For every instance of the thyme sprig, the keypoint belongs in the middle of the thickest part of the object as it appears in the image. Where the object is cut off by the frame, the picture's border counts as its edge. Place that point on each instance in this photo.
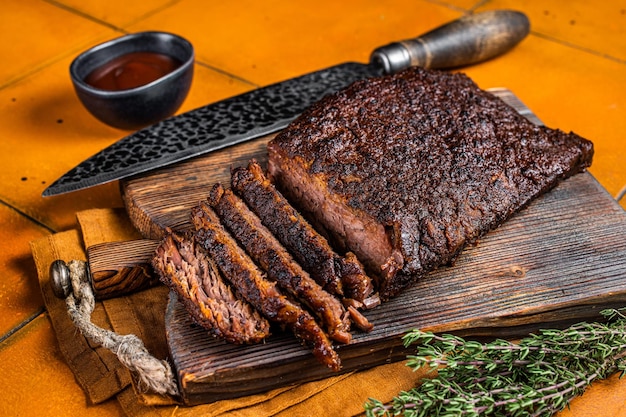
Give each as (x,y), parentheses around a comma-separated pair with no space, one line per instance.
(536,376)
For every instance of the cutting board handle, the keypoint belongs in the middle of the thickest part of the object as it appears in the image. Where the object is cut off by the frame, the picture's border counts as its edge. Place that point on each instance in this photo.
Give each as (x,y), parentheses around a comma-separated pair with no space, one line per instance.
(472,38)
(114,269)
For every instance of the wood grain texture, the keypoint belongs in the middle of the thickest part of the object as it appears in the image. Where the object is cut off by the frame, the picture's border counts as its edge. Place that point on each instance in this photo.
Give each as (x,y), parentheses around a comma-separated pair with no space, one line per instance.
(559,261)
(120,268)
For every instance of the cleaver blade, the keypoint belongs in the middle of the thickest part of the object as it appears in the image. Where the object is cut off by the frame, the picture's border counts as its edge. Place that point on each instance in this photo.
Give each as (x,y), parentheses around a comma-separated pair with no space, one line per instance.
(470,39)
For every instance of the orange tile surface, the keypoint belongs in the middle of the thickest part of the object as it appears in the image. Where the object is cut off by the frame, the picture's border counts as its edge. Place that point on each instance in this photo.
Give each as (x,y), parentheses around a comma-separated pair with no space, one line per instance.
(36,34)
(35,380)
(571,71)
(20,297)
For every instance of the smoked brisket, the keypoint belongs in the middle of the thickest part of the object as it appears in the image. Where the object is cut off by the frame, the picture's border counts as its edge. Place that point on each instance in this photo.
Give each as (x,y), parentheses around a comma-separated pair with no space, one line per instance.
(406,170)
(254,287)
(343,276)
(274,259)
(187,269)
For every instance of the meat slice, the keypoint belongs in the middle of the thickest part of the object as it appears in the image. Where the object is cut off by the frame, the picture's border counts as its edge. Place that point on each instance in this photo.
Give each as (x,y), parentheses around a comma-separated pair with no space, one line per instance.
(187,269)
(405,170)
(356,284)
(274,259)
(307,246)
(254,287)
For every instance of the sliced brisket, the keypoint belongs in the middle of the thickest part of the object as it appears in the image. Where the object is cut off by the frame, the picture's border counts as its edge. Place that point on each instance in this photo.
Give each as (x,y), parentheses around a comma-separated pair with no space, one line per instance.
(264,295)
(274,259)
(307,246)
(356,284)
(405,170)
(187,269)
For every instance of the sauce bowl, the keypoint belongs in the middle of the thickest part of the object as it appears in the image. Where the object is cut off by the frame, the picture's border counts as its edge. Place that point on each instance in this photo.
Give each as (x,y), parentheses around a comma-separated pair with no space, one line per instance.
(153,93)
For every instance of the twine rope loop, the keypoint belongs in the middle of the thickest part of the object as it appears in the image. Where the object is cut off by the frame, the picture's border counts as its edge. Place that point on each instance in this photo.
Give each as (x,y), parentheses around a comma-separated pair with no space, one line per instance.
(153,374)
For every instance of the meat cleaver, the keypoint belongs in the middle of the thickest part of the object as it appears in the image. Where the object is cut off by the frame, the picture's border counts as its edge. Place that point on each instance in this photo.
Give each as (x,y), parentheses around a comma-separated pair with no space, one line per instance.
(467,40)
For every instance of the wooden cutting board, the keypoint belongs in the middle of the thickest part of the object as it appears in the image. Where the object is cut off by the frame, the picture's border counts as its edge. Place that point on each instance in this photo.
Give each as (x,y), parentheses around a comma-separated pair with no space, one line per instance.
(559,261)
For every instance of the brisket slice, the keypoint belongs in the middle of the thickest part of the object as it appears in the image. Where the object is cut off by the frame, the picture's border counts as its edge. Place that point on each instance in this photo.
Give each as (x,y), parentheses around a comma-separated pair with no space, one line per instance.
(274,259)
(254,287)
(356,284)
(336,274)
(187,269)
(405,170)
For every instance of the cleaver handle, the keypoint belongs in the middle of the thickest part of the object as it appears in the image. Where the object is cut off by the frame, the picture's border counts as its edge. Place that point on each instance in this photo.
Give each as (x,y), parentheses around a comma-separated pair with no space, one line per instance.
(468,40)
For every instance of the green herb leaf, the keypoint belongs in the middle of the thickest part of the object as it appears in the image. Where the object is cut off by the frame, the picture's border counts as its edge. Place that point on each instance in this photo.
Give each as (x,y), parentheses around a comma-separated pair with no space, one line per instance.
(536,377)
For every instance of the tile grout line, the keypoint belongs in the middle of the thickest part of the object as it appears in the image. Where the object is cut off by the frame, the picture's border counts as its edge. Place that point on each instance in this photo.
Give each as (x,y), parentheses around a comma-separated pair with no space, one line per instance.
(85,15)
(478,4)
(450,6)
(42,309)
(465,10)
(153,12)
(620,194)
(578,47)
(29,217)
(34,70)
(228,74)
(21,325)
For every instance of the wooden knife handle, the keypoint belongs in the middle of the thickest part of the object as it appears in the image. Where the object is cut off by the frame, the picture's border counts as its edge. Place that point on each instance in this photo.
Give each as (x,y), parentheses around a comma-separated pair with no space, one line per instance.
(467,40)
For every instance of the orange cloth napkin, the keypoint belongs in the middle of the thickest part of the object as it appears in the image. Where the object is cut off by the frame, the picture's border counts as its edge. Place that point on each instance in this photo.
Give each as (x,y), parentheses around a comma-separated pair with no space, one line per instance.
(102,376)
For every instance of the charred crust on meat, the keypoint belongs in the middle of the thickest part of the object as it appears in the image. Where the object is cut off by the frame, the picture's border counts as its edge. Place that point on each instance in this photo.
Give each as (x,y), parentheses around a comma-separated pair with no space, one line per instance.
(307,246)
(237,267)
(407,169)
(277,263)
(396,176)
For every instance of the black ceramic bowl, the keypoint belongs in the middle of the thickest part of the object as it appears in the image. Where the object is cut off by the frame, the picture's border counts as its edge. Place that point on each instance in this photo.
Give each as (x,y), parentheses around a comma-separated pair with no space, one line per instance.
(136,107)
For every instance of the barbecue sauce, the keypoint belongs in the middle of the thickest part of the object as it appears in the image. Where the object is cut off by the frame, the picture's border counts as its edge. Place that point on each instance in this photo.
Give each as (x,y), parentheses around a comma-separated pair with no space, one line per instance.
(131,70)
